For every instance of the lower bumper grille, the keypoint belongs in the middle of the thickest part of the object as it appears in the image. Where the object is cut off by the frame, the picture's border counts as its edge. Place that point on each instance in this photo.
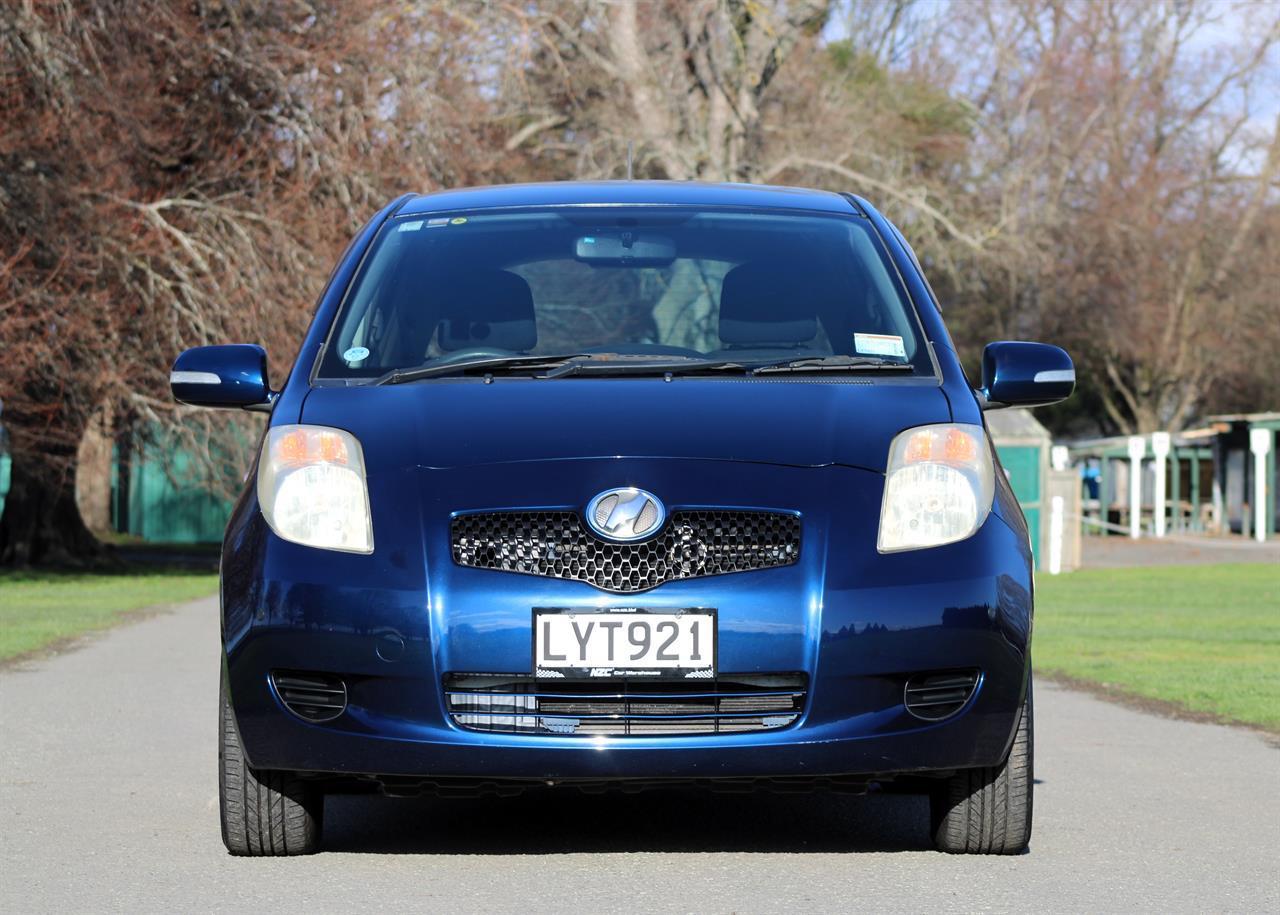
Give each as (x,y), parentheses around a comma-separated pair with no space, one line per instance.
(313,696)
(731,704)
(937,696)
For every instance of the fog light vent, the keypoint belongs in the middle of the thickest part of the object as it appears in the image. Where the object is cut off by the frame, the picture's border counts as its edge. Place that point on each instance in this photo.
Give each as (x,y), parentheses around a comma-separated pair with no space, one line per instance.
(313,696)
(939,695)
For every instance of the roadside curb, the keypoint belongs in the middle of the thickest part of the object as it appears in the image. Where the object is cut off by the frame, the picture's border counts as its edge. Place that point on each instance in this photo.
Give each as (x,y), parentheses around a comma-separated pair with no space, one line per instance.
(1160,708)
(72,643)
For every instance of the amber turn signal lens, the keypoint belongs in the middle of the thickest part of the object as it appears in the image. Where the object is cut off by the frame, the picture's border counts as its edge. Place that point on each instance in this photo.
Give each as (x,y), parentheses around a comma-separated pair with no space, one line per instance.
(300,447)
(941,444)
(959,447)
(919,447)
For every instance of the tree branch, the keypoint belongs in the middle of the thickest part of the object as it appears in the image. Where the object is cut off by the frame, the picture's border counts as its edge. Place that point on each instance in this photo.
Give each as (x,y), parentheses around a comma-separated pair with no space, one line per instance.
(915,201)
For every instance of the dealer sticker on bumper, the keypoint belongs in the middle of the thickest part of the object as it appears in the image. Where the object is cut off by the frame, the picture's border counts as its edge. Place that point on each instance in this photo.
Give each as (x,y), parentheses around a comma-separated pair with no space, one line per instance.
(624,642)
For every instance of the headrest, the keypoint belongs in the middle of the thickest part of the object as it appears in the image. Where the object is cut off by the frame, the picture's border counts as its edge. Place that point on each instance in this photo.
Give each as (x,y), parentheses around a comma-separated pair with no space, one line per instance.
(765,305)
(490,308)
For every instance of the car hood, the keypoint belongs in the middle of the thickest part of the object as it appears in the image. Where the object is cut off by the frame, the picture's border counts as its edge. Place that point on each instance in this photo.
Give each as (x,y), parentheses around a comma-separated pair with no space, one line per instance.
(465,422)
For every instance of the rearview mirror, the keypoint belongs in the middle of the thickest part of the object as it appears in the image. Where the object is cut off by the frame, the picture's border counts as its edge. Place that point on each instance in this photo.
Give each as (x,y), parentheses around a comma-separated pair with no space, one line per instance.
(627,248)
(1016,374)
(234,375)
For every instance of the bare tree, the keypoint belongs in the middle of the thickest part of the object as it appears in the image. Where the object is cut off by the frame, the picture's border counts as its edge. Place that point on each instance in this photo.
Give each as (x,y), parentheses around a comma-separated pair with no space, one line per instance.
(190,194)
(684,80)
(1121,146)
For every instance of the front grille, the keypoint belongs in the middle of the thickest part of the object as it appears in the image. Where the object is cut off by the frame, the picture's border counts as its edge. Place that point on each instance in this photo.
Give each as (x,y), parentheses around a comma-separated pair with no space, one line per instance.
(694,544)
(519,704)
(313,696)
(937,696)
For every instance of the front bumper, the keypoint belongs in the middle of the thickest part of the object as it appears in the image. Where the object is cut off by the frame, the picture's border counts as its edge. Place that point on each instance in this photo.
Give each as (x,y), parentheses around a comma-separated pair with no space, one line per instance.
(978,736)
(864,628)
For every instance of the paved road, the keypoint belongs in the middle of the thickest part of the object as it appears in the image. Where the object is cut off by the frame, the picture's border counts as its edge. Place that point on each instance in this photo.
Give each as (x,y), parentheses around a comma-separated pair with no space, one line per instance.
(108,802)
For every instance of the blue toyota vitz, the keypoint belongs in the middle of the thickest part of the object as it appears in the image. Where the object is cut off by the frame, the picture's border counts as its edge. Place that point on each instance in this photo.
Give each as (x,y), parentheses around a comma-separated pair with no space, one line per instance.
(626,484)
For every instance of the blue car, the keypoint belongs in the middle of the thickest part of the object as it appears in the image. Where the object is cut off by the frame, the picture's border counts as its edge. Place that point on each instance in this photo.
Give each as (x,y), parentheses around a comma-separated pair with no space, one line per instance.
(625,485)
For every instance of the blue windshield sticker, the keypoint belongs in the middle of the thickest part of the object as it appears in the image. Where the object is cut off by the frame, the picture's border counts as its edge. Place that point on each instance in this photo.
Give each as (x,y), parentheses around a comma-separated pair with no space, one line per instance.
(355,354)
(410,226)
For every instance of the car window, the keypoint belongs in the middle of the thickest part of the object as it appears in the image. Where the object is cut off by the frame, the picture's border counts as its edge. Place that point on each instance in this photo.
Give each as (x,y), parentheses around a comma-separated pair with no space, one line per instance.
(673,281)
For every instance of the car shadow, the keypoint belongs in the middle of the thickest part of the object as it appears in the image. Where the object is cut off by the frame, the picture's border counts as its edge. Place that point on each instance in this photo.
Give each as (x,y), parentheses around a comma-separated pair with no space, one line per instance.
(566,821)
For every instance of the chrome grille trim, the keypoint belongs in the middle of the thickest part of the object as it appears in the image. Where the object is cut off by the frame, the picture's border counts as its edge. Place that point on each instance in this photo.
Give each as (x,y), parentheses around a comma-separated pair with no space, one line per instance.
(520,704)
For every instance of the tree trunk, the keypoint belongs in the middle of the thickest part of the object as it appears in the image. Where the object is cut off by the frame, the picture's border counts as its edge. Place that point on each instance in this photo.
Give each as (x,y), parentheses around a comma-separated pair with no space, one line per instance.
(41,524)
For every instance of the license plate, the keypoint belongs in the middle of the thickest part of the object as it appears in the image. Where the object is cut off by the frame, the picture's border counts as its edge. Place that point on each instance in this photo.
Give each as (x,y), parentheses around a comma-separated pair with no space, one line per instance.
(614,643)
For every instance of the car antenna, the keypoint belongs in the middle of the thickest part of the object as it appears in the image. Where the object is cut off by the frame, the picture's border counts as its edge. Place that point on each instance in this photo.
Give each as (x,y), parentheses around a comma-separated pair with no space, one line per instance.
(631,147)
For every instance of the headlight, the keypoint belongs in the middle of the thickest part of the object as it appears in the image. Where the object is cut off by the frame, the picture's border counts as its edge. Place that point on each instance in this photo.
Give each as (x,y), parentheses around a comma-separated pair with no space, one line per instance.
(938,487)
(311,487)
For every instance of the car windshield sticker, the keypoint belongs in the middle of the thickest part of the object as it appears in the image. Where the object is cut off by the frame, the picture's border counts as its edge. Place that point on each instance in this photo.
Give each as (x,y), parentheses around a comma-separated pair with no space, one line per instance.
(410,226)
(879,345)
(355,354)
(437,223)
(458,220)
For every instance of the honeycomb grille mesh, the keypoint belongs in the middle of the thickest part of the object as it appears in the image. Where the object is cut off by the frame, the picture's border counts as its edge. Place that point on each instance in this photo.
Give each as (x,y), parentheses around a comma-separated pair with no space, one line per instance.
(694,544)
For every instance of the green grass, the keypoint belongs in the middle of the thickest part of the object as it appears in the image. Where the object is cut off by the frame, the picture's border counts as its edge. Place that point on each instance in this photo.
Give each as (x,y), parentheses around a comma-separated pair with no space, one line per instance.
(38,609)
(1204,637)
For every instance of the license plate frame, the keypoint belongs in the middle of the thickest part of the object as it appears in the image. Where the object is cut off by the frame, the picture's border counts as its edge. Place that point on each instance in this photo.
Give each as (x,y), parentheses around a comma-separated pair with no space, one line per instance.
(627,669)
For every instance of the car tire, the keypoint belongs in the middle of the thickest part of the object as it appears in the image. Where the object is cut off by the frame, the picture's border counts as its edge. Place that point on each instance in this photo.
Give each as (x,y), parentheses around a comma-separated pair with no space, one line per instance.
(987,811)
(264,813)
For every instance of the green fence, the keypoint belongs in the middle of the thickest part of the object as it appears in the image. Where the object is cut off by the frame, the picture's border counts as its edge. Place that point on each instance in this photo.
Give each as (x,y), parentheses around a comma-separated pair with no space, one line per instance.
(151,506)
(154,505)
(1022,463)
(5,471)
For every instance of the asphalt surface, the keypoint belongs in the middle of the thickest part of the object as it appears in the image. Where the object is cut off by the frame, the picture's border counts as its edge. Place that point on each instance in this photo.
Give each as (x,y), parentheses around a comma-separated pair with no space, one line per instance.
(108,801)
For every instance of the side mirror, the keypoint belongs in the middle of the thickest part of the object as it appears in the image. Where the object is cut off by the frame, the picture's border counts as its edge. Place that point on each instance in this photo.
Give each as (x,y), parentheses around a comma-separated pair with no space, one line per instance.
(234,375)
(1016,374)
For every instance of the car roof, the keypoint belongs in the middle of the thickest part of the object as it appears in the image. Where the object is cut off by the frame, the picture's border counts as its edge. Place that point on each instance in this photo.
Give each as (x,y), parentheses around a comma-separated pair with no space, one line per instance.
(634,193)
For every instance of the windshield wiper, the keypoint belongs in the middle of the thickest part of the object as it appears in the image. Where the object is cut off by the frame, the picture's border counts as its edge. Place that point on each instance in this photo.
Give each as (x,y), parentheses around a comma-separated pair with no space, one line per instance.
(474,363)
(638,364)
(838,363)
(560,366)
(618,364)
(564,365)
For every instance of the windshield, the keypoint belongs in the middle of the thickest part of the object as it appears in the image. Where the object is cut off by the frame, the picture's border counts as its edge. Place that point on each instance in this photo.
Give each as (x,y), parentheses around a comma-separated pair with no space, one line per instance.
(656,286)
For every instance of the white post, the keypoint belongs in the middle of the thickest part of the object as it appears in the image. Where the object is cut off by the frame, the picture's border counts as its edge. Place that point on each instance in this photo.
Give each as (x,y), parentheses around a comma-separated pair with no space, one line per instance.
(1137,449)
(1055,535)
(1160,448)
(1260,445)
(1059,456)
